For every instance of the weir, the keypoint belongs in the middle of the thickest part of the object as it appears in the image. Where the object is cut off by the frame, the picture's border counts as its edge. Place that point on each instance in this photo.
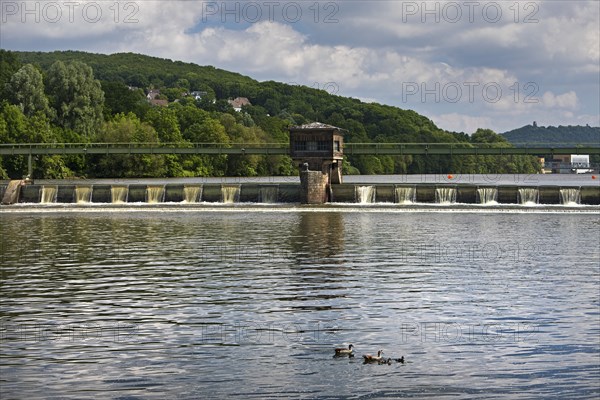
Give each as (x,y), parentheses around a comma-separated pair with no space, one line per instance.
(155,194)
(192,194)
(570,196)
(230,193)
(83,194)
(119,194)
(406,194)
(15,192)
(48,194)
(365,194)
(529,196)
(487,195)
(268,194)
(445,195)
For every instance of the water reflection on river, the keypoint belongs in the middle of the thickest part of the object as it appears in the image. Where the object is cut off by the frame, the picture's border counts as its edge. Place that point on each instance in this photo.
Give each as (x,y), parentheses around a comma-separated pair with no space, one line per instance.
(213,304)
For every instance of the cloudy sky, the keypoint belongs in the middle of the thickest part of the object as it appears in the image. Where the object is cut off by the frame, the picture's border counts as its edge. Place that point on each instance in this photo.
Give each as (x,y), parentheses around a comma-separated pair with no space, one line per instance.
(463,64)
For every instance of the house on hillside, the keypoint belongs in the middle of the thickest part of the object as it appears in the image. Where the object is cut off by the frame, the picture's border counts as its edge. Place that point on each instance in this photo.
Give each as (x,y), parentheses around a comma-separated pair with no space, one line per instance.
(198,95)
(238,102)
(153,94)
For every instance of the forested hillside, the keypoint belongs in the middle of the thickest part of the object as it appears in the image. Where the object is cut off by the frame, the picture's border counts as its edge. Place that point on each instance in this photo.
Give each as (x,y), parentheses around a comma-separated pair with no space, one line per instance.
(553,135)
(82,97)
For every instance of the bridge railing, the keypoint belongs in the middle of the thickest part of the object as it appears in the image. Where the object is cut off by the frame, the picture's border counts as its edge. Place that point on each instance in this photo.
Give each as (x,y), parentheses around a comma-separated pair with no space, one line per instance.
(283,148)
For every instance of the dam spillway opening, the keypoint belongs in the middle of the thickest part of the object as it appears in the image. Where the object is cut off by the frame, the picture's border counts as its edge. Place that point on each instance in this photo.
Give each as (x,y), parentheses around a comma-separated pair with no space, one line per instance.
(487,195)
(192,194)
(268,194)
(49,194)
(445,195)
(230,194)
(365,194)
(83,194)
(155,194)
(529,196)
(570,196)
(405,194)
(119,194)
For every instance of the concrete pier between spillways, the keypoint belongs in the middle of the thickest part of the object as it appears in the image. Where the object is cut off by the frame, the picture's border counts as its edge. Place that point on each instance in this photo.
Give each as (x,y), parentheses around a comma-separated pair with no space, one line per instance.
(292,193)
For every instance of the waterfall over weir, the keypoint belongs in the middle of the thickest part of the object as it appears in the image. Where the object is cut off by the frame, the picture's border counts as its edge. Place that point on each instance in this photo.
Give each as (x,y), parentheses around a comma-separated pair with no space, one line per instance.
(83,194)
(155,194)
(406,195)
(365,194)
(529,196)
(192,194)
(119,194)
(445,195)
(268,194)
(230,193)
(570,196)
(487,195)
(48,194)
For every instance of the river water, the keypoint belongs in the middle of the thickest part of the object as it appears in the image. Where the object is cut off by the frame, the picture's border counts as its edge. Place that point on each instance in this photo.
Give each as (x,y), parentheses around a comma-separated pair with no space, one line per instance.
(249,302)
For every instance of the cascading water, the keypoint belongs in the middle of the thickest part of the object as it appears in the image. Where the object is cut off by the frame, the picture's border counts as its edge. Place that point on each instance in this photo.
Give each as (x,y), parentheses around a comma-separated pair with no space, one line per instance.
(445,195)
(192,194)
(230,193)
(83,194)
(529,196)
(155,194)
(487,195)
(119,194)
(406,195)
(570,196)
(365,194)
(268,194)
(48,194)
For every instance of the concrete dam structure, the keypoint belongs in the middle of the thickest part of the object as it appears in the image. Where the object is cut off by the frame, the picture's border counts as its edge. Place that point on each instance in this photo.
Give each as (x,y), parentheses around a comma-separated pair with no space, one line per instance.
(291,193)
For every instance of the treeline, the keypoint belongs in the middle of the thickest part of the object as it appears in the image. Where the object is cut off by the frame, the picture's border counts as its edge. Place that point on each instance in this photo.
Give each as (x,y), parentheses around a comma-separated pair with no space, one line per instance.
(85,98)
(553,135)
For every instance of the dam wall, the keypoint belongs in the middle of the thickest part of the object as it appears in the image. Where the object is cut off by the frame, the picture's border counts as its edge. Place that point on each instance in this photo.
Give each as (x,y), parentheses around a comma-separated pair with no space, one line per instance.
(292,193)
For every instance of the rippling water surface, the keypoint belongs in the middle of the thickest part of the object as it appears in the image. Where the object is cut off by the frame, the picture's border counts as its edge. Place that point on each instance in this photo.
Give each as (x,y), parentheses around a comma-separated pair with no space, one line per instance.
(214,304)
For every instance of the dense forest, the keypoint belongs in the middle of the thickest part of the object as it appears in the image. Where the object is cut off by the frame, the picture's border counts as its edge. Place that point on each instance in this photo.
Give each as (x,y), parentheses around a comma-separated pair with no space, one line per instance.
(553,135)
(77,97)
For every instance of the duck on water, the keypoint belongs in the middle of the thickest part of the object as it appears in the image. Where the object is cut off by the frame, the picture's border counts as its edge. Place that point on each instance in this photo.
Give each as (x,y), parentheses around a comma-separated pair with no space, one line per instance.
(345,352)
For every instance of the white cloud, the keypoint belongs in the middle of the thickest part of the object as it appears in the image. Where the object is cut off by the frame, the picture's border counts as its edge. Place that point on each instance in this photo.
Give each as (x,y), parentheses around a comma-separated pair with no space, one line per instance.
(564,101)
(461,123)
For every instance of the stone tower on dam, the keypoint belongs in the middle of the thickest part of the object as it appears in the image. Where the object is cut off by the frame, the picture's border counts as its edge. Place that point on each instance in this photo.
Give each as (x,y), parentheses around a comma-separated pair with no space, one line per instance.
(317,150)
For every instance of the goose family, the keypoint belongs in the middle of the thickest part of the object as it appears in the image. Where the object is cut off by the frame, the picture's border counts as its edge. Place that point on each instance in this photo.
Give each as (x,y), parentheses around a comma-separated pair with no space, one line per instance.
(368,358)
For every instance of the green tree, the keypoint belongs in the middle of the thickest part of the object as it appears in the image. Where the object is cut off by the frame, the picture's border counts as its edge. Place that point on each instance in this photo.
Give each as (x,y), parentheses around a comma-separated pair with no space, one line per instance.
(26,89)
(76,96)
(209,131)
(126,128)
(9,64)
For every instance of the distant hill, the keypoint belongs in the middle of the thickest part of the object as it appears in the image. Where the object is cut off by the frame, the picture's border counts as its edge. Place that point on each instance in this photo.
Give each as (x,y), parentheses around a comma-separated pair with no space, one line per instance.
(553,135)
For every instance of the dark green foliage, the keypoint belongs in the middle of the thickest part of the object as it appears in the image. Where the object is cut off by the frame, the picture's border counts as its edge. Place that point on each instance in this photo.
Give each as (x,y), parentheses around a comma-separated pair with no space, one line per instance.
(553,135)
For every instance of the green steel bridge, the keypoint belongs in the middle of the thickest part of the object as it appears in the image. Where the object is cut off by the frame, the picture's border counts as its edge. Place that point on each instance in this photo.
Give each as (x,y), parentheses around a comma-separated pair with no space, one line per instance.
(392,149)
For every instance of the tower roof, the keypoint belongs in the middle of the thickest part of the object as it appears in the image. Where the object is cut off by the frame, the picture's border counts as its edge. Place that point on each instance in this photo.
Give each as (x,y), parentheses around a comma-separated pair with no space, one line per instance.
(316,125)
